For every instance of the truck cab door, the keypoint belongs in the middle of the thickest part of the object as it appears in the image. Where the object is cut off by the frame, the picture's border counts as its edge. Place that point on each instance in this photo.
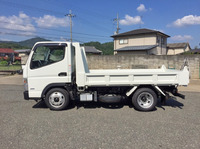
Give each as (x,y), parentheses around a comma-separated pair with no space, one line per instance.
(48,65)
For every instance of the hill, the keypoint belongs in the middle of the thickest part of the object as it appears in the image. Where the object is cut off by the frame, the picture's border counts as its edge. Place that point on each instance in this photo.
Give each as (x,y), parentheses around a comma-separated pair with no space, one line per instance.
(26,44)
(106,48)
(30,42)
(12,45)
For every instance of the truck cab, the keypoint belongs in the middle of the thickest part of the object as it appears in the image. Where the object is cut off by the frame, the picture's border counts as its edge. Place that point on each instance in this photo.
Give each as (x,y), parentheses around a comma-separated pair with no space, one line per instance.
(57,72)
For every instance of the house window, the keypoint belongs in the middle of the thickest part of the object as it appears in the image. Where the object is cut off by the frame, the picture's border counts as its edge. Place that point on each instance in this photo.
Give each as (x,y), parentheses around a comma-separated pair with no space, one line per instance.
(158,39)
(163,40)
(123,41)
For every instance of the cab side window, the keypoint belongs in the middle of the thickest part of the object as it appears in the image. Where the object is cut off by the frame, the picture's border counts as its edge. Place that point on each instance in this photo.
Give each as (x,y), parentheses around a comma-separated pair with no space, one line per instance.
(46,55)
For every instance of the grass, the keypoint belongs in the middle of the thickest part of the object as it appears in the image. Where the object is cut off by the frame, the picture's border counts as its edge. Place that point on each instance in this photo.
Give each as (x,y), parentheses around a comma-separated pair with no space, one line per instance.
(10,67)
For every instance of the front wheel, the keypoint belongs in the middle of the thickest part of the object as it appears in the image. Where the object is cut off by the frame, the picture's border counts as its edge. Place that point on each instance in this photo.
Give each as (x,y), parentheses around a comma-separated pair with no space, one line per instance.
(57,99)
(144,99)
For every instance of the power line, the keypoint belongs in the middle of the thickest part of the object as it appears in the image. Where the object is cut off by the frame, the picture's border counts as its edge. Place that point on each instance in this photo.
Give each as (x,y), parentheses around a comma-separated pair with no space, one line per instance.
(95,25)
(26,35)
(93,35)
(46,10)
(13,4)
(95,15)
(29,33)
(89,11)
(54,37)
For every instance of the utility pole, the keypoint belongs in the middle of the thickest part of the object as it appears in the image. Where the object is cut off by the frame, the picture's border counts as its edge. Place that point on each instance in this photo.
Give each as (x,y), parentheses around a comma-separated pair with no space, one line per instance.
(70,15)
(117,20)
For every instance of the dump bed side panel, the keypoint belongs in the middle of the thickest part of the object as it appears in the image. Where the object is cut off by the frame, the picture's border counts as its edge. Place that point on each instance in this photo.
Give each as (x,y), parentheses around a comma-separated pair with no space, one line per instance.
(130,79)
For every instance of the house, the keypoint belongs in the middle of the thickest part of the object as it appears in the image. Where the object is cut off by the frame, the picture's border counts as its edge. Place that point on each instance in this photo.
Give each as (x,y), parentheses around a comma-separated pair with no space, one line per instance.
(6,53)
(141,41)
(177,48)
(92,50)
(23,52)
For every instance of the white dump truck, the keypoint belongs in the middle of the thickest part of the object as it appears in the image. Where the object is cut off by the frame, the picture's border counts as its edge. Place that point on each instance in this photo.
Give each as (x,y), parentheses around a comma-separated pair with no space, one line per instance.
(57,72)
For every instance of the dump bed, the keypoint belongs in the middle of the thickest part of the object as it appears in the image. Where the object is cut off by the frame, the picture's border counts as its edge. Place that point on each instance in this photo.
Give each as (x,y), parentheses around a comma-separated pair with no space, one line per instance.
(133,77)
(127,77)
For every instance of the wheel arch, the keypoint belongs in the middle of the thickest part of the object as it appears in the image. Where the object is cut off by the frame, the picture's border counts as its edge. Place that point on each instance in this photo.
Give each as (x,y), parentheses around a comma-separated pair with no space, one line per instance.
(145,86)
(51,86)
(150,87)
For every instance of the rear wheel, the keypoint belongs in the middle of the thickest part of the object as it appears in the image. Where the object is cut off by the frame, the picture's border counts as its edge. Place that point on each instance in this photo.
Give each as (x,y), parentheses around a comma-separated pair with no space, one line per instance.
(144,99)
(57,99)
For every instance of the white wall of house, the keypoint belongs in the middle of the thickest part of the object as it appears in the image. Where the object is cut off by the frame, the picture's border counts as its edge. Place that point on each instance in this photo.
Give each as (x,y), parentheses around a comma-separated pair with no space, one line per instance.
(22,54)
(139,40)
(187,49)
(175,51)
(142,40)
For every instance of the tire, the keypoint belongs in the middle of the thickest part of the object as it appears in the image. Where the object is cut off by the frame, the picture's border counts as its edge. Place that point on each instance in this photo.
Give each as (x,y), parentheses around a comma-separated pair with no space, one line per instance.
(144,99)
(57,99)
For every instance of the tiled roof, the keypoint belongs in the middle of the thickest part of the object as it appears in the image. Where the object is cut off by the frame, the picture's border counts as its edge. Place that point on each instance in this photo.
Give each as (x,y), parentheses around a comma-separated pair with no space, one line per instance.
(6,50)
(137,48)
(140,31)
(91,49)
(177,45)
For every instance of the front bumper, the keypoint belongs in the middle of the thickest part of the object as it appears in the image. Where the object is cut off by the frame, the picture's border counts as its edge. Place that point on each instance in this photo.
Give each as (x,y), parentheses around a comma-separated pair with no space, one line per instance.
(26,96)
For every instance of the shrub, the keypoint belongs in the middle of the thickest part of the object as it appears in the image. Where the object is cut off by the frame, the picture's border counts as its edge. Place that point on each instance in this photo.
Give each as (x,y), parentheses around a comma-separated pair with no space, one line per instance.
(8,59)
(17,62)
(3,63)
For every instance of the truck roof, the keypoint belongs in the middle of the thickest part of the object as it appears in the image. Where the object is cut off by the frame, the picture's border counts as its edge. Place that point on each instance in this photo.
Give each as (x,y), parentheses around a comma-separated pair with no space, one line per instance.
(59,42)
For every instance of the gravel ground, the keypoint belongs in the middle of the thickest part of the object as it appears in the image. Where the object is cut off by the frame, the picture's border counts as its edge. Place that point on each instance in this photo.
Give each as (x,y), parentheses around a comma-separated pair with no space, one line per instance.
(27,124)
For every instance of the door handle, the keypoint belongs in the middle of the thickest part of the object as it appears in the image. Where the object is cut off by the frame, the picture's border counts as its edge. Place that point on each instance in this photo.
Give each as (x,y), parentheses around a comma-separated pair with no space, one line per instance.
(62,74)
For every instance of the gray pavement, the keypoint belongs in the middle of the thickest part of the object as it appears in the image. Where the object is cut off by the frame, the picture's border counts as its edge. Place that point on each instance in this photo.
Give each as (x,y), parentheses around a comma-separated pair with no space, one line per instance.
(27,124)
(11,79)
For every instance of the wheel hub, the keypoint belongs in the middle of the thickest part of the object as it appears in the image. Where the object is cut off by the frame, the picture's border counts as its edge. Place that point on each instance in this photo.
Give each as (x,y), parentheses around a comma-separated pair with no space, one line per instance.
(145,100)
(56,99)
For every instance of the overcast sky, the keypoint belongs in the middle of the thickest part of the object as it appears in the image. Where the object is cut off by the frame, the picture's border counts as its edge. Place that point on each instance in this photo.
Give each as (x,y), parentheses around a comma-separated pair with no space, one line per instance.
(24,19)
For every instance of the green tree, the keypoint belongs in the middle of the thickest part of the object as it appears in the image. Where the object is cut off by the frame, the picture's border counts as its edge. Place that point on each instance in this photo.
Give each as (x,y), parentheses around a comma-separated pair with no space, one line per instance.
(196,47)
